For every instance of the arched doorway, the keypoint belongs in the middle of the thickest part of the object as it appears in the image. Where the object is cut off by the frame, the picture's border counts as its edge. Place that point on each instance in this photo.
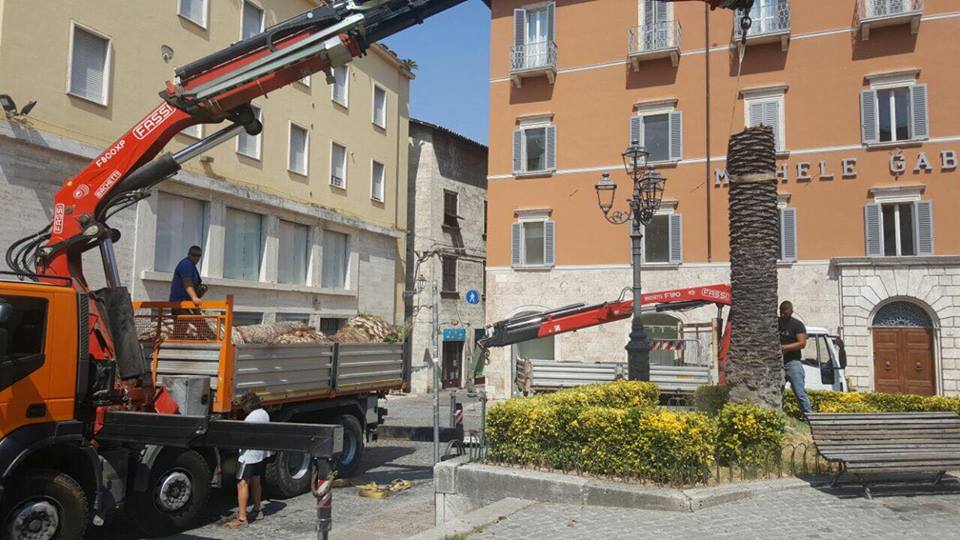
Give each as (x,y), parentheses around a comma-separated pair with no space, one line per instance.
(903,358)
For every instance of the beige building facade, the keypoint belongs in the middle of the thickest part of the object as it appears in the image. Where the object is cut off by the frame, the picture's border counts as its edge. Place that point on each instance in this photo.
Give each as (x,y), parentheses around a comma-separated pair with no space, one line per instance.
(303,222)
(860,95)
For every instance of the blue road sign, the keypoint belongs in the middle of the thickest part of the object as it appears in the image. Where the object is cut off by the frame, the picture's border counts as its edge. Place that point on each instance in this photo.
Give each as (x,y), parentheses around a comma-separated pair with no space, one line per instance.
(473,297)
(454,334)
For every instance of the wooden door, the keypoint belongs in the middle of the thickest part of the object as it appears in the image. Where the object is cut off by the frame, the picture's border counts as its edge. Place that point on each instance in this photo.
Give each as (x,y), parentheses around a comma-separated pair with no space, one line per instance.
(903,360)
(452,364)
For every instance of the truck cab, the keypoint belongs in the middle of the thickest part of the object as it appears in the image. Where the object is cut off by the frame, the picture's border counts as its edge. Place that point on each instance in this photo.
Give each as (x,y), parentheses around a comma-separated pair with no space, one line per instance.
(824,361)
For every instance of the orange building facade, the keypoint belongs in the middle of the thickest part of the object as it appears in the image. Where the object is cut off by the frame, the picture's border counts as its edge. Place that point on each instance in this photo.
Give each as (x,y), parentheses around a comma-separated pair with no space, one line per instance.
(862,98)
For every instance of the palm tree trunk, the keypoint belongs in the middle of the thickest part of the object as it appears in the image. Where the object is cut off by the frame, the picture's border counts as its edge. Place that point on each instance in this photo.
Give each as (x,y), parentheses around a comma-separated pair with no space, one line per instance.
(755,363)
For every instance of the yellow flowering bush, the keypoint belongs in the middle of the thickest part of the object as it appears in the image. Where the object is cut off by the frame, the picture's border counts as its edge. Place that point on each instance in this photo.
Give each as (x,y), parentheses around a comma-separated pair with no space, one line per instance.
(748,434)
(849,402)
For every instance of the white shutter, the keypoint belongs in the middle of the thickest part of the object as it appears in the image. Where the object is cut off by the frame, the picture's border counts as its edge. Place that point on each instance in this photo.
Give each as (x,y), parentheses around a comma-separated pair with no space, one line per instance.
(333,273)
(771,117)
(249,145)
(298,149)
(181,223)
(918,101)
(551,147)
(923,227)
(516,242)
(292,253)
(549,243)
(873,230)
(676,238)
(869,122)
(517,151)
(89,65)
(338,166)
(636,130)
(551,21)
(676,136)
(755,114)
(788,234)
(519,25)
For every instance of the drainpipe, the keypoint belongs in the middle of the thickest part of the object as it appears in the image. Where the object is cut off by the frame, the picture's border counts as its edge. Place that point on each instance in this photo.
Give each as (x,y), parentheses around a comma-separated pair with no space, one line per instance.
(709,187)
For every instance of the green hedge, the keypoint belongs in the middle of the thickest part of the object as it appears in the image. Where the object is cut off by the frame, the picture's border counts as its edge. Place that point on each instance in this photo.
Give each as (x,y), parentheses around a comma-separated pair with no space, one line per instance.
(838,402)
(616,429)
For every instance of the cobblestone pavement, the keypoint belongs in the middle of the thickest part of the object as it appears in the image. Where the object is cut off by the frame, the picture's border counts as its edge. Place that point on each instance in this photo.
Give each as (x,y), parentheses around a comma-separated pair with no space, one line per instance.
(798,513)
(399,516)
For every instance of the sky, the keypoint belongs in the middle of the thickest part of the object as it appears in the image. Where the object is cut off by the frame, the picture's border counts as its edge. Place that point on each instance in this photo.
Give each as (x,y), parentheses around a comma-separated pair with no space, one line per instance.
(452,52)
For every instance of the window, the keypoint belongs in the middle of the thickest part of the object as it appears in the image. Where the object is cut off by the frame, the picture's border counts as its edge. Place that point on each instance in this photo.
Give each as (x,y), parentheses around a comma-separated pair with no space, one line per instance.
(333,274)
(341,86)
(243,245)
(22,332)
(294,253)
(376,181)
(535,149)
(450,207)
(303,318)
(252,21)
(89,65)
(533,243)
(533,37)
(660,133)
(379,106)
(449,284)
(656,24)
(768,16)
(330,326)
(246,318)
(894,114)
(249,145)
(181,223)
(767,111)
(663,239)
(194,11)
(194,132)
(899,228)
(299,150)
(338,166)
(787,224)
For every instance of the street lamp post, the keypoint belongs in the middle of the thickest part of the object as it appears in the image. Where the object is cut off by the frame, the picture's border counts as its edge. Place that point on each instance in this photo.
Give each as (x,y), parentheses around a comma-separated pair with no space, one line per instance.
(644,202)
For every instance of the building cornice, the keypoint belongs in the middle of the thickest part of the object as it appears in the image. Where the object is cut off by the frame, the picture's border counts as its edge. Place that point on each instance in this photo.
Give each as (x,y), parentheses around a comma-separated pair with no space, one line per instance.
(936,260)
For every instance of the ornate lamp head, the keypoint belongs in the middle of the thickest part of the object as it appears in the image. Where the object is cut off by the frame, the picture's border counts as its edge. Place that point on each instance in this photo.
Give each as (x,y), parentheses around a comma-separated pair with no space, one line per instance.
(634,157)
(606,191)
(651,193)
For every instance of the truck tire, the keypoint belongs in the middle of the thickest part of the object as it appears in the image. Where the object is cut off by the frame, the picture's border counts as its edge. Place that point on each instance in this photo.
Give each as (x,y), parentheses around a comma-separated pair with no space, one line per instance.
(349,460)
(288,475)
(44,505)
(176,495)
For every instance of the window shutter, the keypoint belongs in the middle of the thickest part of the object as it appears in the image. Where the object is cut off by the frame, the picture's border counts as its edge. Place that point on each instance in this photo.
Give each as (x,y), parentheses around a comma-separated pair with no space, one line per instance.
(89,65)
(549,243)
(648,18)
(676,238)
(551,144)
(771,117)
(551,21)
(923,228)
(519,24)
(756,115)
(516,240)
(636,130)
(676,136)
(873,230)
(517,154)
(918,100)
(868,117)
(788,234)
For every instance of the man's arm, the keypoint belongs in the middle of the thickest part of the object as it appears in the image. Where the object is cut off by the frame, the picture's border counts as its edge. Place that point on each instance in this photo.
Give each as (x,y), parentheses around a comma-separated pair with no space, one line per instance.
(191,291)
(798,345)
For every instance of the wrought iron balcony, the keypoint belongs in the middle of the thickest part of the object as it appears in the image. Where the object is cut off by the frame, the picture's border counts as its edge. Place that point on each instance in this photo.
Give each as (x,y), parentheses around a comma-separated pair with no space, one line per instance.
(878,13)
(652,41)
(771,23)
(534,59)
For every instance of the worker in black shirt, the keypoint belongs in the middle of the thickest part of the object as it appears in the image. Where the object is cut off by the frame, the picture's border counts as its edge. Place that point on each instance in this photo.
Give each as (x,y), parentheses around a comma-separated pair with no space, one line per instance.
(793,338)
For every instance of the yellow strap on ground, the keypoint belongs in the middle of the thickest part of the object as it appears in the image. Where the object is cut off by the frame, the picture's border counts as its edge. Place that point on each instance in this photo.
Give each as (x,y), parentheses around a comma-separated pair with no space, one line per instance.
(373,490)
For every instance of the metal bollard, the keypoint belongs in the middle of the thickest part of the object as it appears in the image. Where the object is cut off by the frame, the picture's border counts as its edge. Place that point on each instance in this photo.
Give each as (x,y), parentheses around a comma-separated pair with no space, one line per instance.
(322,489)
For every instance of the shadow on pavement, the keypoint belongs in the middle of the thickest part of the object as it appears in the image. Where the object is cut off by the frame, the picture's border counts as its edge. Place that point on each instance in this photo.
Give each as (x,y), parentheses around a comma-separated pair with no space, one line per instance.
(905,485)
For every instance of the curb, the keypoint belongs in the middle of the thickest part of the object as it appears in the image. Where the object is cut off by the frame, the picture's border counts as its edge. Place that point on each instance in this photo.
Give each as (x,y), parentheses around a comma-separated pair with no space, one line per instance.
(470,522)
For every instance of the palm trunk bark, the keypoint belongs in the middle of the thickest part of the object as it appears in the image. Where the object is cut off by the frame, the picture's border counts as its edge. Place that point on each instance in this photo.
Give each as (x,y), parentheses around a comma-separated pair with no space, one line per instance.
(754,366)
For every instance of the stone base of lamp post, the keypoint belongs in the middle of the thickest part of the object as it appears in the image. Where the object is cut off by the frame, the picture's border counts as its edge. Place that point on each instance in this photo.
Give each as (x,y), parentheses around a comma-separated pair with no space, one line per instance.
(638,353)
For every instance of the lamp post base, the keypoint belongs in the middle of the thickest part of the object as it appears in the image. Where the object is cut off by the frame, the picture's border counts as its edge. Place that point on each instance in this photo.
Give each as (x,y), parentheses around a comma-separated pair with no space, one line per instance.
(638,353)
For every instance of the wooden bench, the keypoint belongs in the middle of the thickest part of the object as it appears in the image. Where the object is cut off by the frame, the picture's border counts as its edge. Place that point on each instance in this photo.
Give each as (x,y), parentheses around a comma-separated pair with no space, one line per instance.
(880,443)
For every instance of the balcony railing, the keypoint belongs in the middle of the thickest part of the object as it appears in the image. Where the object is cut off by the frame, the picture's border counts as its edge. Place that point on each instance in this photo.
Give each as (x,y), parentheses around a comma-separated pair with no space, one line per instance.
(771,22)
(532,59)
(655,40)
(877,13)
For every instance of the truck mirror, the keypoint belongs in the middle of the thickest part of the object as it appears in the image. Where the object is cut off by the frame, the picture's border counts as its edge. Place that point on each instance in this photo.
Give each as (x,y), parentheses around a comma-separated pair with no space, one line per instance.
(841,352)
(6,311)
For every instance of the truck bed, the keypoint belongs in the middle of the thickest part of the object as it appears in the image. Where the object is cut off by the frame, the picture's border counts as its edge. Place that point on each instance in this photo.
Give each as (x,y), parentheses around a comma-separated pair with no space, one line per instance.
(549,375)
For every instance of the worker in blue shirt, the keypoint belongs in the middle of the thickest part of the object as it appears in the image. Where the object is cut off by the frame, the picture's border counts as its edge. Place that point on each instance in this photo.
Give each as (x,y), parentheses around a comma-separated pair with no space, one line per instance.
(187,285)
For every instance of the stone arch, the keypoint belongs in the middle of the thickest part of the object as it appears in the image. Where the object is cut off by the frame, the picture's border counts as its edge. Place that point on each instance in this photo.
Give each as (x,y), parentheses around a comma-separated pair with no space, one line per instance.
(903,312)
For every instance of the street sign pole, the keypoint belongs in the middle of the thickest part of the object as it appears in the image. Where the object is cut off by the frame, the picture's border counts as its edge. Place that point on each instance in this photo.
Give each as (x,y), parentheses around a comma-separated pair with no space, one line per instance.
(436,375)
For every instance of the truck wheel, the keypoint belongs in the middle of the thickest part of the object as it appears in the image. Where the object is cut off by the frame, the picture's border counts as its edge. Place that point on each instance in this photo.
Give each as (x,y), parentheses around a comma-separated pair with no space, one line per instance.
(45,505)
(177,493)
(288,475)
(349,460)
